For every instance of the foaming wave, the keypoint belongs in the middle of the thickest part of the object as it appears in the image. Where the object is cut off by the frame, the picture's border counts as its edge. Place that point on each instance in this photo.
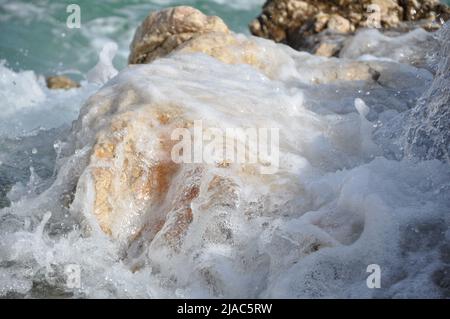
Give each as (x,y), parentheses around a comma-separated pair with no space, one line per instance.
(338,202)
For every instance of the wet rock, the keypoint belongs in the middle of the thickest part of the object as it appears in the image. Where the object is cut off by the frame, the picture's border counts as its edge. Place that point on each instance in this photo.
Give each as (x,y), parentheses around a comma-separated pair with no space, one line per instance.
(294,21)
(322,42)
(163,31)
(126,178)
(425,9)
(61,82)
(187,30)
(327,49)
(339,24)
(232,49)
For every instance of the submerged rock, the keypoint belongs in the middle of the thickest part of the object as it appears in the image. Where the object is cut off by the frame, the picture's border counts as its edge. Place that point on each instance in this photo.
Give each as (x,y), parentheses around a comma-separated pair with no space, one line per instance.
(314,25)
(61,82)
(163,31)
(131,178)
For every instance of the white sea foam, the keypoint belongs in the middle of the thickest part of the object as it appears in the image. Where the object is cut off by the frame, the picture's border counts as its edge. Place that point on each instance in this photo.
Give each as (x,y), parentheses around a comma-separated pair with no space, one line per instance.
(18,91)
(28,105)
(338,203)
(235,4)
(104,70)
(411,47)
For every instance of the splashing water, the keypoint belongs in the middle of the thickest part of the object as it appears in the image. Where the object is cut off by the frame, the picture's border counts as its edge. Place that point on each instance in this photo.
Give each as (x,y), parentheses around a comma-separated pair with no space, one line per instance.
(26,25)
(345,195)
(104,70)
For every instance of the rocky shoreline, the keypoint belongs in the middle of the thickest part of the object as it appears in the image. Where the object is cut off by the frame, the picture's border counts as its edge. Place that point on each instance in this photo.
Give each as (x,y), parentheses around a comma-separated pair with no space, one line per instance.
(363,160)
(323,26)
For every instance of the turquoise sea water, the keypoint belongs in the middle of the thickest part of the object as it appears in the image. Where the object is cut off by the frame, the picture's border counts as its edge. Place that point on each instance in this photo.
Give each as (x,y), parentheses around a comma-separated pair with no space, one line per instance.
(34,35)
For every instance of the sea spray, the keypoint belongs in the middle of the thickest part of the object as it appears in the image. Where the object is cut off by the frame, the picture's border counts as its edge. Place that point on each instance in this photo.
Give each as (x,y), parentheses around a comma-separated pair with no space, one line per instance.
(334,207)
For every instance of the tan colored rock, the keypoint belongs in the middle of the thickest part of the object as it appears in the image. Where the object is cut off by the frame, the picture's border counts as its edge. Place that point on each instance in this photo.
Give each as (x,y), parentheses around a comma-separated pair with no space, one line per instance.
(216,45)
(327,49)
(136,190)
(229,49)
(338,24)
(321,21)
(135,186)
(163,31)
(123,176)
(267,57)
(61,82)
(136,193)
(425,9)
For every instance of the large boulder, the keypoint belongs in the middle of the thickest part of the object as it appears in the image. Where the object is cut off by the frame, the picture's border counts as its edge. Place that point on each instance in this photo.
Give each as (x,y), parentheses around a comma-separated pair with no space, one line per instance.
(139,192)
(223,226)
(185,29)
(163,31)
